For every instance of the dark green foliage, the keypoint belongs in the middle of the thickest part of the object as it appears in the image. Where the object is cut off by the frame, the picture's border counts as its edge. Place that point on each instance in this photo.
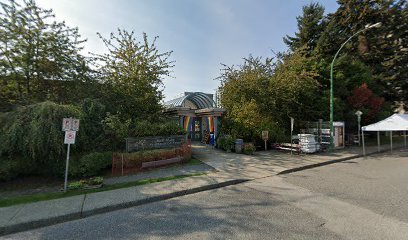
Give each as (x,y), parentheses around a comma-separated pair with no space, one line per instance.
(226,143)
(92,164)
(310,26)
(382,50)
(38,56)
(33,133)
(166,128)
(91,135)
(8,169)
(118,130)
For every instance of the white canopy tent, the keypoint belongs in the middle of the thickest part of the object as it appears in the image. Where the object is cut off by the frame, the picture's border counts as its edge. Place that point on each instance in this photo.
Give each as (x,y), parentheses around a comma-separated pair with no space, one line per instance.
(396,122)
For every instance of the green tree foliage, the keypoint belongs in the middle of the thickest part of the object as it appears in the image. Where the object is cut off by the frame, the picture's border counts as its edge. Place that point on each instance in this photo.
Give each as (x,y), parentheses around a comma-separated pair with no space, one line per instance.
(32,136)
(262,95)
(383,50)
(39,57)
(132,73)
(310,26)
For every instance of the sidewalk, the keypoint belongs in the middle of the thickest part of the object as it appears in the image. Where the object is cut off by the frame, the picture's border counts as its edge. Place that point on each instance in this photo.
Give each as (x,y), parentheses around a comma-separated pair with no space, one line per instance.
(231,169)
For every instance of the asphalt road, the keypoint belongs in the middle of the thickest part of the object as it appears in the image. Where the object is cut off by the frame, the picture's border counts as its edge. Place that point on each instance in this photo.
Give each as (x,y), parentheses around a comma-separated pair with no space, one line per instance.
(357,199)
(378,183)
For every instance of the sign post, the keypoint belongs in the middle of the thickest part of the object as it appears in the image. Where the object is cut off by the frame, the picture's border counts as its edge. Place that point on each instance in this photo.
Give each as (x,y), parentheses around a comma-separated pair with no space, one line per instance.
(358,114)
(292,121)
(265,137)
(70,126)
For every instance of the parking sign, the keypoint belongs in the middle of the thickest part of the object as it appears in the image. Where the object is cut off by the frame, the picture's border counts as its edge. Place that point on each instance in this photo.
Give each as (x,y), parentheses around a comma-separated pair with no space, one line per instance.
(69,137)
(66,124)
(75,124)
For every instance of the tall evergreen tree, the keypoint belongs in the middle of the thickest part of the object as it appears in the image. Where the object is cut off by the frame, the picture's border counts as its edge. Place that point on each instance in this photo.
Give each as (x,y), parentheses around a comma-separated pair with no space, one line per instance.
(310,27)
(383,49)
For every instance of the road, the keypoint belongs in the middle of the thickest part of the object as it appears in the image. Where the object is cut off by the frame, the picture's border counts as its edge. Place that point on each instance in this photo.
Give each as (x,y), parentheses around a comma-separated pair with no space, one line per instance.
(356,199)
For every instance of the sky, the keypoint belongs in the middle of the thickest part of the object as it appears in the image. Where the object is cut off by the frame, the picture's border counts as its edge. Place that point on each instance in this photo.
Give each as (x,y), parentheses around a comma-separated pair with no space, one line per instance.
(203,34)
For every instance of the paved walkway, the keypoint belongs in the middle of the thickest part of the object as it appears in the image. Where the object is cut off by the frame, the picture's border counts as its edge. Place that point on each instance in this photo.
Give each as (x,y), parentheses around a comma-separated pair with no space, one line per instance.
(272,162)
(231,169)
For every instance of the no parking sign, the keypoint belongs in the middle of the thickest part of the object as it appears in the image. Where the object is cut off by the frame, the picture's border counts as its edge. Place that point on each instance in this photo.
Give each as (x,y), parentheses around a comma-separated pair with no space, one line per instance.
(70,126)
(69,137)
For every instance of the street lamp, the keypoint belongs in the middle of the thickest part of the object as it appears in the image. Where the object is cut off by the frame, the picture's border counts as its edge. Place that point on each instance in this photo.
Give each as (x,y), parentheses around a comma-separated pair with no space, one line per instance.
(376,25)
(358,113)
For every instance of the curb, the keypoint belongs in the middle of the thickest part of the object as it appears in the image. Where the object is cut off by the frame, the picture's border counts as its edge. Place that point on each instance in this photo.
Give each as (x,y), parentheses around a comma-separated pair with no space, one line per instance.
(297,169)
(75,216)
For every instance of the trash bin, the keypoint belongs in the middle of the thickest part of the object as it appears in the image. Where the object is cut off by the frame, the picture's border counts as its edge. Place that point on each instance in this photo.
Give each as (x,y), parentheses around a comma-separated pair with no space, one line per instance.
(239,145)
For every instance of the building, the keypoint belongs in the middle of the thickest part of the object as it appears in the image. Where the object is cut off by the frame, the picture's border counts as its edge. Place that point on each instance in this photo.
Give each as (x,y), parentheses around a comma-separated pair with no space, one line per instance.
(197,113)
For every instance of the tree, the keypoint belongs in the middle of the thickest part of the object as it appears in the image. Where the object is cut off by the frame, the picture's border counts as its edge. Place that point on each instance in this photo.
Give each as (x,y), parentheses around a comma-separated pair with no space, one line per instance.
(262,95)
(310,27)
(38,54)
(131,74)
(364,100)
(383,50)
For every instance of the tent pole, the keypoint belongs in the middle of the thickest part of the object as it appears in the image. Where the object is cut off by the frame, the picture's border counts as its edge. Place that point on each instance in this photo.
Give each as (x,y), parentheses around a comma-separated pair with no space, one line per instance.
(391,140)
(378,140)
(362,135)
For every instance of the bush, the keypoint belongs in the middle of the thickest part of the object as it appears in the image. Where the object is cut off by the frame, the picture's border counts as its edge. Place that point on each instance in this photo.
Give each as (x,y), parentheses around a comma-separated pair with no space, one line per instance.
(83,183)
(91,135)
(118,129)
(33,133)
(7,169)
(92,164)
(226,143)
(249,148)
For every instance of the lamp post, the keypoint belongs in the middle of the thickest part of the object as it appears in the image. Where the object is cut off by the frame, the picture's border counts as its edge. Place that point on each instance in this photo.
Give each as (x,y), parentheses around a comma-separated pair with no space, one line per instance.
(358,113)
(376,25)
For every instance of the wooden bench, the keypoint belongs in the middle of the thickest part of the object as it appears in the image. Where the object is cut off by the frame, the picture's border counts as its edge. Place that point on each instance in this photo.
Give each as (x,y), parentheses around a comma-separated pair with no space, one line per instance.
(161,162)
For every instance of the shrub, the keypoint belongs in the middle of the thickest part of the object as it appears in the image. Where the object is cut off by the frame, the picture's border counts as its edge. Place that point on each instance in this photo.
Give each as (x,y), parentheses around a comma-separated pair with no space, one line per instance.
(91,135)
(226,143)
(7,169)
(249,148)
(83,183)
(92,164)
(33,133)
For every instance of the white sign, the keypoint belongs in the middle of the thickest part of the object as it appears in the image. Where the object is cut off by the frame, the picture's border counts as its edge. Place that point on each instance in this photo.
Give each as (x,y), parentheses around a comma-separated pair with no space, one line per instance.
(75,124)
(265,135)
(66,124)
(292,121)
(69,137)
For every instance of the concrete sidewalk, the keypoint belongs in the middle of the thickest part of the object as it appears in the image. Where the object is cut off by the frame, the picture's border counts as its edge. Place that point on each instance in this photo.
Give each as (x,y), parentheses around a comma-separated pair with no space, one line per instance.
(267,163)
(231,169)
(33,215)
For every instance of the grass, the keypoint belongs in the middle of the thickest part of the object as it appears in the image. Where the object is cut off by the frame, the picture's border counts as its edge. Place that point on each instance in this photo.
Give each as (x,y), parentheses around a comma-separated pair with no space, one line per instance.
(70,193)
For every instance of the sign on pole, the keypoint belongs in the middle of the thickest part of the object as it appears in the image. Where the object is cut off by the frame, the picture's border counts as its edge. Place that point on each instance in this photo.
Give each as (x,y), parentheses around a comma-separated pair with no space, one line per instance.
(265,137)
(70,126)
(292,121)
(69,137)
(66,124)
(75,124)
